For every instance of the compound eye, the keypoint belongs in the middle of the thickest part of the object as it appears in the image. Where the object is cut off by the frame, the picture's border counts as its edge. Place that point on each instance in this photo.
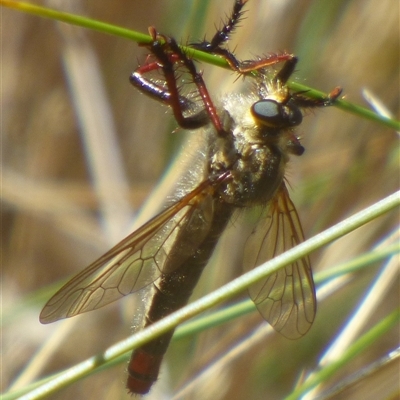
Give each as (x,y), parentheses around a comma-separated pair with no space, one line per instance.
(294,114)
(276,115)
(267,112)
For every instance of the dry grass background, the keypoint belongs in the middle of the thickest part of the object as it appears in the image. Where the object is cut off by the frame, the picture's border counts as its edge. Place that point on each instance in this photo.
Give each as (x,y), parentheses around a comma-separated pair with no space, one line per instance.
(63,206)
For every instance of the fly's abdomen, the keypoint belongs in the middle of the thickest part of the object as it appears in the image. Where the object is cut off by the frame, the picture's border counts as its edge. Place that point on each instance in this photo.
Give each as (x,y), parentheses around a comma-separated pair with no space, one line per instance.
(171,292)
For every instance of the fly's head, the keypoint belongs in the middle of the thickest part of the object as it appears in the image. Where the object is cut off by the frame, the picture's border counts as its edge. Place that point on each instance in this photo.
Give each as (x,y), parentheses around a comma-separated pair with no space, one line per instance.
(276,114)
(276,107)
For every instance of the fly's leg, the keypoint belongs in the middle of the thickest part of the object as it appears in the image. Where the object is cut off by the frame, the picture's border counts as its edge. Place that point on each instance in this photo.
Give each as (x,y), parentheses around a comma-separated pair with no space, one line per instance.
(167,95)
(282,77)
(168,54)
(249,66)
(222,36)
(197,79)
(286,71)
(306,102)
(152,89)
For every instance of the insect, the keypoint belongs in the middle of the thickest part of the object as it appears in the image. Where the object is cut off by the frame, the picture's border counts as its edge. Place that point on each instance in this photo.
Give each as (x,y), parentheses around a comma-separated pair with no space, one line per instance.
(249,138)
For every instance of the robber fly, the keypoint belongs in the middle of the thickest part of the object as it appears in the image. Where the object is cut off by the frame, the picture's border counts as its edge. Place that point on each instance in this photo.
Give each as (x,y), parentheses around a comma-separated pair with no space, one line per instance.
(249,138)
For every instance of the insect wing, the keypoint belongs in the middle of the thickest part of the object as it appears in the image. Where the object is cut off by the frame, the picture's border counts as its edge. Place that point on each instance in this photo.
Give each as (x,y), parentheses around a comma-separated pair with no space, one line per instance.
(286,298)
(136,261)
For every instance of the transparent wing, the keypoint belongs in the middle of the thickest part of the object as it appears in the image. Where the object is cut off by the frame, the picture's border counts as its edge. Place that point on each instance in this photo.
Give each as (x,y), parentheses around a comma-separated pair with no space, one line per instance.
(137,260)
(286,299)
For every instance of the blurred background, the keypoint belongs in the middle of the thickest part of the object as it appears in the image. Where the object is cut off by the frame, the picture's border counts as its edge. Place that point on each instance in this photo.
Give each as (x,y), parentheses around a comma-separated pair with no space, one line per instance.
(84,156)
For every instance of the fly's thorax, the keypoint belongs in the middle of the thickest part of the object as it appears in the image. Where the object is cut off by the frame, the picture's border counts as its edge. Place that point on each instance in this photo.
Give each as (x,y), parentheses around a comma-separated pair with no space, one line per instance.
(255,154)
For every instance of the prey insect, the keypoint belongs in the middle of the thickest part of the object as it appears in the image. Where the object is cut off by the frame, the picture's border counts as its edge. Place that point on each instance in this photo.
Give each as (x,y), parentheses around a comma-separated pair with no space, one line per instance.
(249,137)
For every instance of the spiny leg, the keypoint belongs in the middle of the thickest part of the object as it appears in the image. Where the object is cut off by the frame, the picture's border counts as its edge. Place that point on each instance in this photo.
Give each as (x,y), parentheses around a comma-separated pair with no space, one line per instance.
(283,76)
(222,36)
(169,95)
(306,102)
(150,88)
(168,54)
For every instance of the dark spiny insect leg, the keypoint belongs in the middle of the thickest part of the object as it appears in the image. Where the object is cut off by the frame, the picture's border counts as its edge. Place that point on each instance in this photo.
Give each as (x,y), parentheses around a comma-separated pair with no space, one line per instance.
(329,100)
(286,71)
(301,101)
(159,52)
(166,61)
(222,36)
(272,59)
(159,92)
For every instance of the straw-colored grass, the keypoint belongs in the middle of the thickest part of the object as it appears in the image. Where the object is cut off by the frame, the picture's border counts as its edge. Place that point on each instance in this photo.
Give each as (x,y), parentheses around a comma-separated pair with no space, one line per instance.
(82,150)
